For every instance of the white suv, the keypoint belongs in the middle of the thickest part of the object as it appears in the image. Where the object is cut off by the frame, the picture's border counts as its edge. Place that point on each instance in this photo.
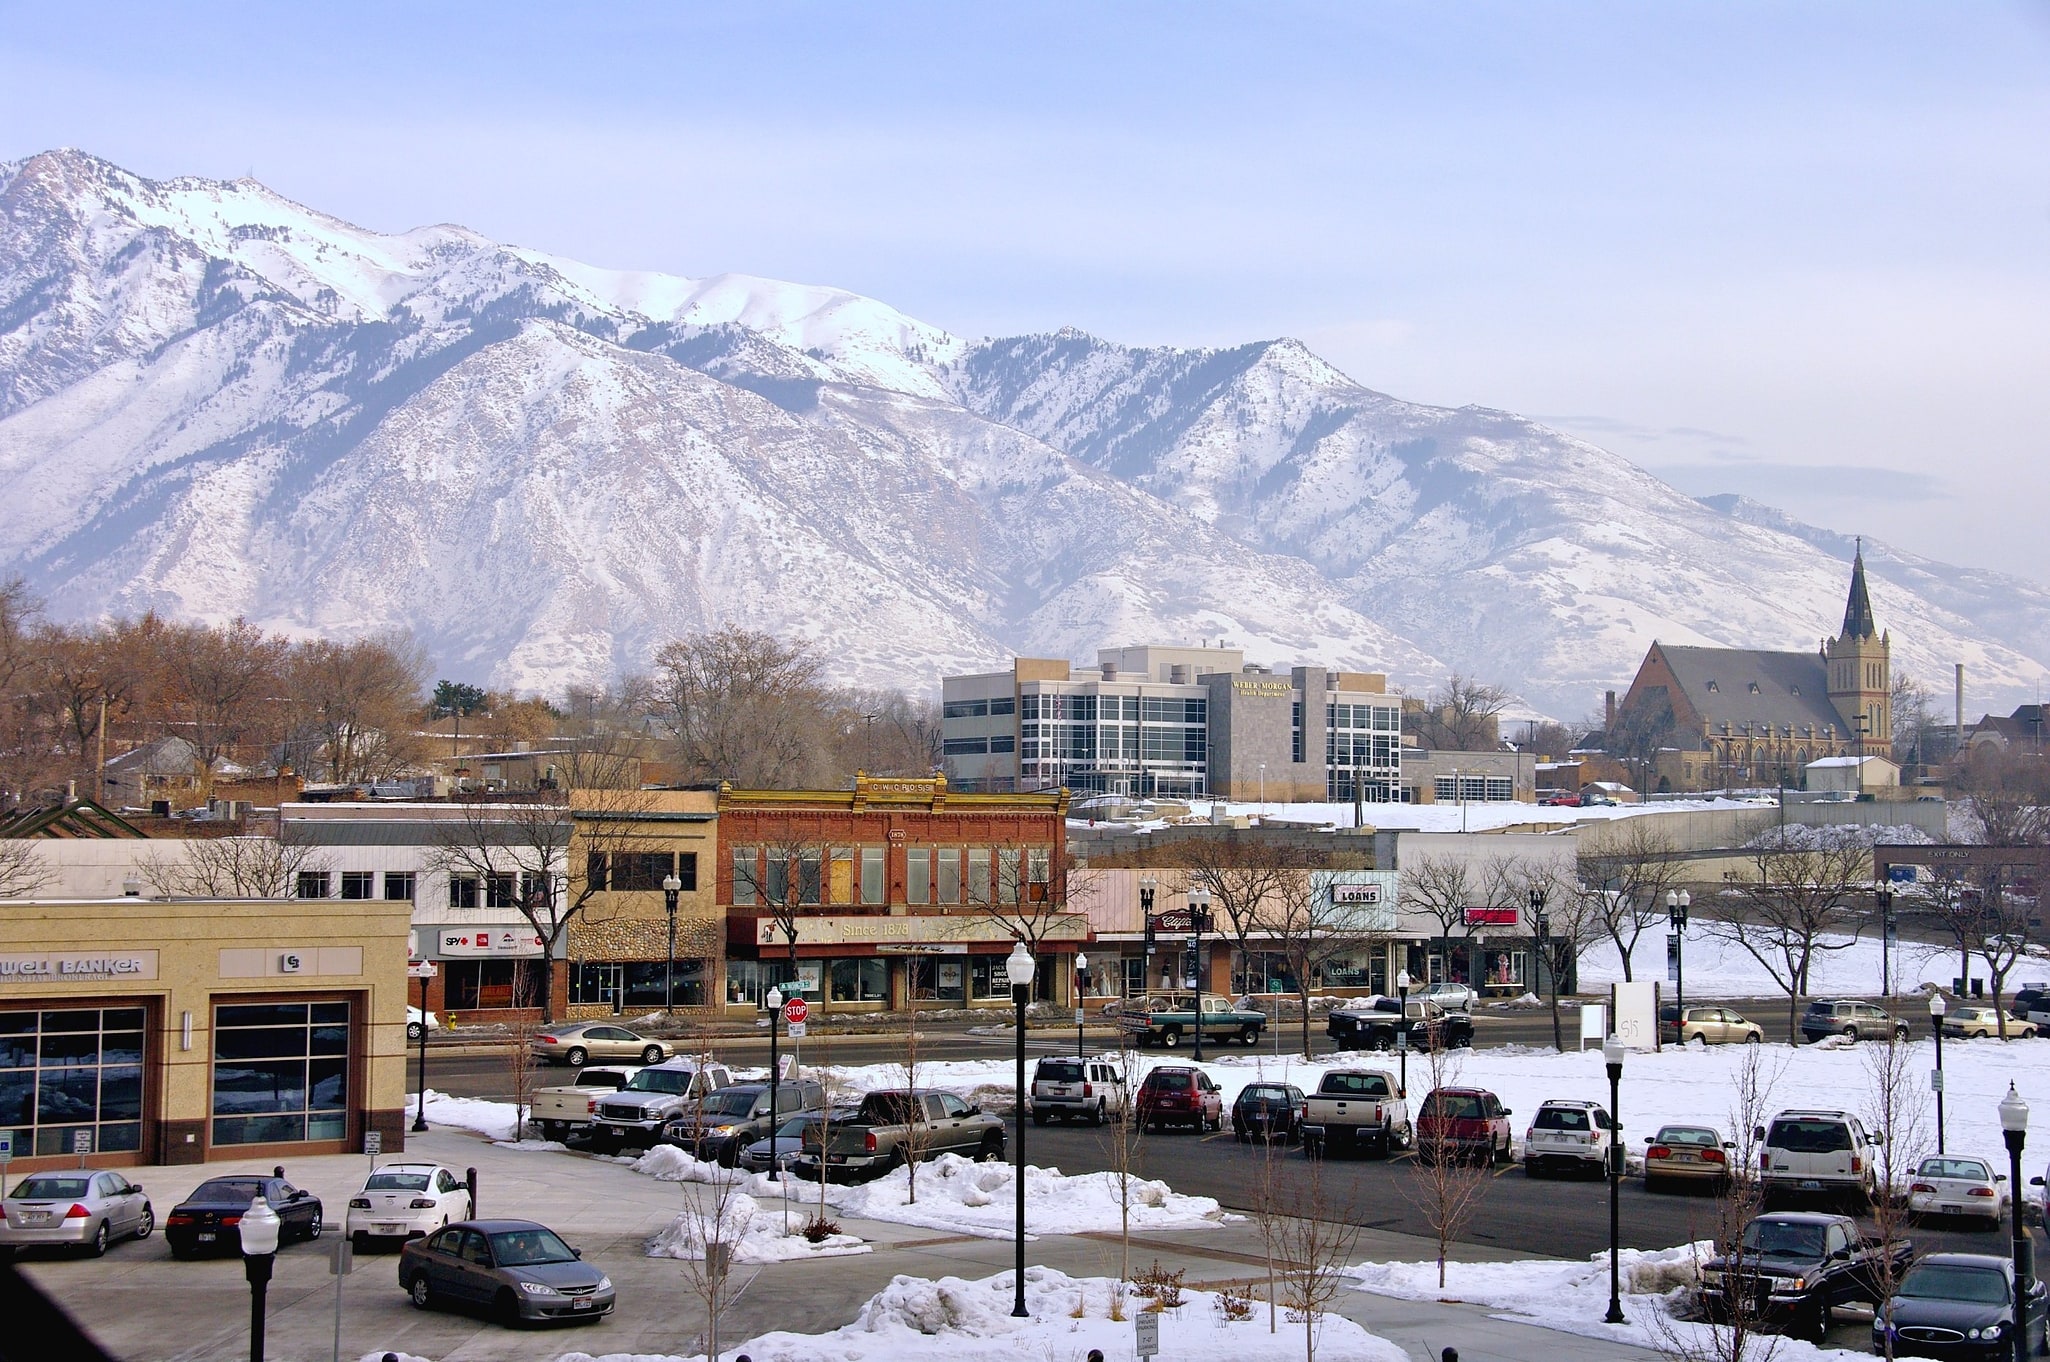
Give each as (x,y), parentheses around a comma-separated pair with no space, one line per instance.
(1092,1089)
(1816,1153)
(1572,1136)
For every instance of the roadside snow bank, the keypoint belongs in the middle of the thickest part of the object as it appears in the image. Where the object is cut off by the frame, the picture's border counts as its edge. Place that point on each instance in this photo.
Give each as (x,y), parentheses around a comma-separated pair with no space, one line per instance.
(979,1198)
(492,1120)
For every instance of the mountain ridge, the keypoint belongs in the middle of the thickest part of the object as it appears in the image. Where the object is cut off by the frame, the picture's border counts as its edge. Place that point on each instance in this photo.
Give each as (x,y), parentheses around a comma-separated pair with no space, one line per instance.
(205,388)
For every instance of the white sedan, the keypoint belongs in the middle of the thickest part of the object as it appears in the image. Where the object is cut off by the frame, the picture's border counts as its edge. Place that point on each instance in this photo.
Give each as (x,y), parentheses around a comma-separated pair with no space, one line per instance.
(418,1022)
(1450,996)
(406,1201)
(1954,1186)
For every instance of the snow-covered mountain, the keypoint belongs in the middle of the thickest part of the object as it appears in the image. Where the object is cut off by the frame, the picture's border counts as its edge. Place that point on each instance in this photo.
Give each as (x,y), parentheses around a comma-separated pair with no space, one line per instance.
(216,402)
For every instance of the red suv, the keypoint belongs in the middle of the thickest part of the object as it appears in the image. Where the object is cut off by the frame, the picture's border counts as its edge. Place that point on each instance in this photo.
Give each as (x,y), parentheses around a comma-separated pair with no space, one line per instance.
(1180,1095)
(1463,1123)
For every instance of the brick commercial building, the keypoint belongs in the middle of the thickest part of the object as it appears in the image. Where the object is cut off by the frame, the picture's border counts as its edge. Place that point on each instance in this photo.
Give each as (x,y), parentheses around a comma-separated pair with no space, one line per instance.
(896,890)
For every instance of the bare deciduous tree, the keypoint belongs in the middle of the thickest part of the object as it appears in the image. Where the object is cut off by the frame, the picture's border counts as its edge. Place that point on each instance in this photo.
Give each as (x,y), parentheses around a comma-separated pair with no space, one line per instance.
(1463,715)
(245,867)
(742,706)
(1632,868)
(1896,1110)
(1799,902)
(1310,929)
(23,872)
(1447,1182)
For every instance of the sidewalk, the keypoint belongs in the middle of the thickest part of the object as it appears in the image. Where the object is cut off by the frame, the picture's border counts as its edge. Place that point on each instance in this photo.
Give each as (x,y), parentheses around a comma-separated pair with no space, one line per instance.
(143,1305)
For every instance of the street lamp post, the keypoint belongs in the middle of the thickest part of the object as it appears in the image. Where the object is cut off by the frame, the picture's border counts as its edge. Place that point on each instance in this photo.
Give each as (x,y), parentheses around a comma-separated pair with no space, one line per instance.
(775,1002)
(259,1233)
(1612,1057)
(1677,904)
(420,1113)
(1886,932)
(1199,918)
(670,886)
(1147,884)
(1936,1079)
(1019,969)
(1081,991)
(2014,1128)
(1402,982)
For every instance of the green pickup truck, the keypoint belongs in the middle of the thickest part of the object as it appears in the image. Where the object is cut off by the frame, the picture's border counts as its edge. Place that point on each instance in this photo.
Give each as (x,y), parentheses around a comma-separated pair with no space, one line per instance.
(1169,1019)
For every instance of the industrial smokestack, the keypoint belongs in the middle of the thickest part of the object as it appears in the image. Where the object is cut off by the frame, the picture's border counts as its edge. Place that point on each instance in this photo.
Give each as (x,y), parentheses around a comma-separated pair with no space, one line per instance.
(1610,722)
(1960,709)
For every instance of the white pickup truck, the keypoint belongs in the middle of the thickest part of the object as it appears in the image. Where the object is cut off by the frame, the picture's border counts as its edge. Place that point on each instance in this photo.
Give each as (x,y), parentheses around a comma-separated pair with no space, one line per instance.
(1353,1109)
(567,1107)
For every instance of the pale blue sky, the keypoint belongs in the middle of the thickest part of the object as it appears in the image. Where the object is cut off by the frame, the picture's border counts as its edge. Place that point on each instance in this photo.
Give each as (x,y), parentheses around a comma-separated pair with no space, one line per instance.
(1797,251)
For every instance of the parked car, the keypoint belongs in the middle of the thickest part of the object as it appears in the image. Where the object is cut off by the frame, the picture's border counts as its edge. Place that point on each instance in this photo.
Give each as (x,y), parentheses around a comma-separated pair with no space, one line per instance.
(565,1109)
(419,1023)
(1816,1153)
(1680,1154)
(894,1126)
(1707,1026)
(515,1269)
(1375,1026)
(1844,1017)
(637,1113)
(1559,799)
(1978,1023)
(87,1209)
(208,1221)
(732,1118)
(1180,1095)
(1958,1186)
(2031,1005)
(1452,997)
(1568,1135)
(1268,1111)
(578,1043)
(405,1201)
(1352,1108)
(1463,1123)
(1791,1270)
(1960,1305)
(1088,1089)
(804,1131)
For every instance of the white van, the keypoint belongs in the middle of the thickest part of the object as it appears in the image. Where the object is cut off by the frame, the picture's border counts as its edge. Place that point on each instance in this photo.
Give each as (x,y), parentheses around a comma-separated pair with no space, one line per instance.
(1816,1154)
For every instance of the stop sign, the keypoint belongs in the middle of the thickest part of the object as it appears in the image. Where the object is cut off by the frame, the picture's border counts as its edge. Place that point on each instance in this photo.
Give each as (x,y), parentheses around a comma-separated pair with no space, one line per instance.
(795,1011)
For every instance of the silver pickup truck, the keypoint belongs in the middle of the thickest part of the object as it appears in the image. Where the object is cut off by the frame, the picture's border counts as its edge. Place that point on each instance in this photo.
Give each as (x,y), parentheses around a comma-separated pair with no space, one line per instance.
(566,1108)
(636,1113)
(895,1126)
(1355,1109)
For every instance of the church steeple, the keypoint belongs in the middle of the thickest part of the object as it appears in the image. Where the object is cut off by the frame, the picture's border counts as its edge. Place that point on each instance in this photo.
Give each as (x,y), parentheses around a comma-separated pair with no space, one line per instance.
(1858,609)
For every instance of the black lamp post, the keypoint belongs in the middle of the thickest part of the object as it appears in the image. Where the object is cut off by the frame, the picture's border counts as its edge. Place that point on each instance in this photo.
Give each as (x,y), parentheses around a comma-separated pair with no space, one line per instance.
(1936,1079)
(670,886)
(775,1002)
(1612,1056)
(420,1115)
(1147,884)
(1677,904)
(1019,969)
(259,1234)
(1199,918)
(1081,991)
(1402,1028)
(1538,923)
(1886,933)
(2014,1128)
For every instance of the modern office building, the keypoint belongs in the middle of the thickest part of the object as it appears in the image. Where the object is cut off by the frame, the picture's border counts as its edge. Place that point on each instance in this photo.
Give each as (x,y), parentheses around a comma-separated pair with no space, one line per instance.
(1175,721)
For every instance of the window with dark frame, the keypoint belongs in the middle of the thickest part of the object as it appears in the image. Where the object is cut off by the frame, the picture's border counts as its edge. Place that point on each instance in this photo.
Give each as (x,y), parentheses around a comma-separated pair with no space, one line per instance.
(358,884)
(398,886)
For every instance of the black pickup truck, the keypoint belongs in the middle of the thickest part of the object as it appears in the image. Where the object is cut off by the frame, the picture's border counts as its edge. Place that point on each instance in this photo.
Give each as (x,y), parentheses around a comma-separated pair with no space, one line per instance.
(1791,1269)
(1374,1027)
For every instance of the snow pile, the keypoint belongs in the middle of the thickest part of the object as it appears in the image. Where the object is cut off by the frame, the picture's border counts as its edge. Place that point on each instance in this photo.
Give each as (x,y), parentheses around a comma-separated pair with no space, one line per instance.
(493,1120)
(752,1232)
(980,1198)
(667,1163)
(1573,1297)
(958,1320)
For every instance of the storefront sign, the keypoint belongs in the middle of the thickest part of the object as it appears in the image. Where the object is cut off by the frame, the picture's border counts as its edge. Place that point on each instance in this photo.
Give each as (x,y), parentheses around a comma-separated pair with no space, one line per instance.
(1355,893)
(77,968)
(1491,917)
(502,941)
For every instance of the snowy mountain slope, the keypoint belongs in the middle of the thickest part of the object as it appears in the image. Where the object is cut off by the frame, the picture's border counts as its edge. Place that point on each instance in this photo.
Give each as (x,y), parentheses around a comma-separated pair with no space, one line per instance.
(1508,549)
(215,401)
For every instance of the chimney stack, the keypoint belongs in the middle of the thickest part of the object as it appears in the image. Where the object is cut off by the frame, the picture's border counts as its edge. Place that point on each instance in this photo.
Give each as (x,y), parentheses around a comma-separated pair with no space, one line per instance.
(1960,712)
(1610,722)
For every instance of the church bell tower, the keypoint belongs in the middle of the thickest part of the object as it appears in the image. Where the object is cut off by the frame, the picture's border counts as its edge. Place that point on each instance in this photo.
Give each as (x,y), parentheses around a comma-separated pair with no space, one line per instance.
(1861,671)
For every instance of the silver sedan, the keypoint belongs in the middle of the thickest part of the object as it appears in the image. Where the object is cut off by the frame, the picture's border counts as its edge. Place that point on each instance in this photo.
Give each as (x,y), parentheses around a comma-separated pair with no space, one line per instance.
(86,1209)
(577,1043)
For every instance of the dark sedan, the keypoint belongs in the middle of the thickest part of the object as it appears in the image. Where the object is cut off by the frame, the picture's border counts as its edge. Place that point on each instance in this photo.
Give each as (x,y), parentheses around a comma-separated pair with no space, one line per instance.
(1958,1305)
(515,1270)
(1268,1111)
(209,1220)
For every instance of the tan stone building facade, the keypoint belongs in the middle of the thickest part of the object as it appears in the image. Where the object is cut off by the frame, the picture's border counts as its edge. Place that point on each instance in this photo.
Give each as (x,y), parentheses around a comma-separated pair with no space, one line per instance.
(627,844)
(175,1031)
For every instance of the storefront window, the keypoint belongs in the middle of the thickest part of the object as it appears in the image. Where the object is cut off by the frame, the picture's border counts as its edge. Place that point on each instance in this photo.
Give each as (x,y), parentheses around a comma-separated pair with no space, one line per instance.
(938,981)
(71,1070)
(748,980)
(281,1072)
(864,980)
(474,984)
(1134,975)
(987,977)
(1505,968)
(1346,971)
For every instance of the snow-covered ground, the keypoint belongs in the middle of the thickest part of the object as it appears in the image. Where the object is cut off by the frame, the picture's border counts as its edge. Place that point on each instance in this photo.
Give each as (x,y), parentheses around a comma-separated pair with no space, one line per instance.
(1718,968)
(1574,1297)
(1474,817)
(752,1232)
